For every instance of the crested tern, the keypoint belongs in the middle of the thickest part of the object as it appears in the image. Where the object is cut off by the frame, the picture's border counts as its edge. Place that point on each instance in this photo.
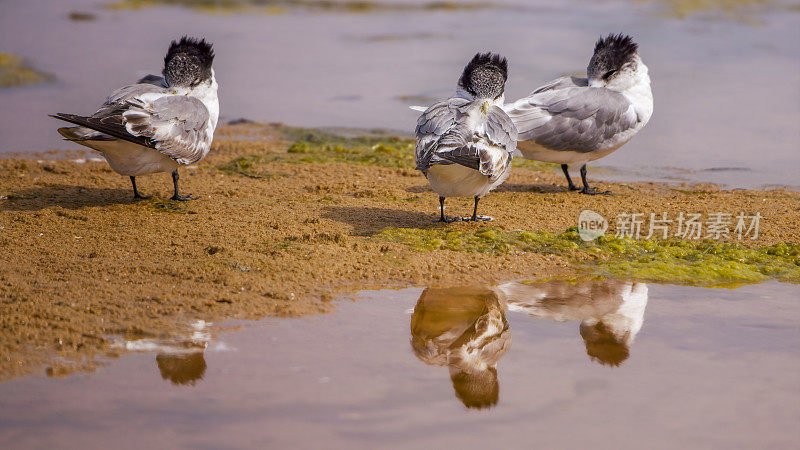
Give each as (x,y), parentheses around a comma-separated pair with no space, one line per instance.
(574,120)
(159,123)
(465,143)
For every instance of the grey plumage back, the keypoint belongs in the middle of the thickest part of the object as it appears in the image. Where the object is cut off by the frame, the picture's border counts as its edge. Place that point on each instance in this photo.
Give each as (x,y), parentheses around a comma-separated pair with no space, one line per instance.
(576,118)
(443,137)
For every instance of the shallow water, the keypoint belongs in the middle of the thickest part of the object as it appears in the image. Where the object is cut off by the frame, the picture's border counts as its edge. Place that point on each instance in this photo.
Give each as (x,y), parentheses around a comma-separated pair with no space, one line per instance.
(726,91)
(605,364)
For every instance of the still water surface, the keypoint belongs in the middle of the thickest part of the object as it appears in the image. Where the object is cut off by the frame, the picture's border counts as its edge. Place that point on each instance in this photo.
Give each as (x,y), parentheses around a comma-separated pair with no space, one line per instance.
(727,92)
(603,364)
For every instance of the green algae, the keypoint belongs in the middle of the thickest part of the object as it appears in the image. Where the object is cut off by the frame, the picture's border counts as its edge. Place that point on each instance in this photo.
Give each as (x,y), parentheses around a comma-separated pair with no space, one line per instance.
(701,263)
(417,99)
(282,6)
(705,263)
(393,152)
(352,146)
(309,145)
(740,10)
(523,163)
(485,240)
(250,166)
(14,71)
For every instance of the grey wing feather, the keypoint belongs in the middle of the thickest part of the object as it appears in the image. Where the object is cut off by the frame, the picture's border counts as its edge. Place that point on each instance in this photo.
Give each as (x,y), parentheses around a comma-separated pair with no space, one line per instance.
(454,147)
(432,125)
(443,137)
(572,118)
(146,114)
(501,137)
(500,129)
(176,123)
(155,80)
(108,120)
(562,83)
(120,97)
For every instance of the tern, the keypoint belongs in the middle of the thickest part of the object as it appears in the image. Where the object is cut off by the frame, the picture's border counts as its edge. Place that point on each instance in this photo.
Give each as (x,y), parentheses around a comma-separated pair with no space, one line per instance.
(465,143)
(574,120)
(159,123)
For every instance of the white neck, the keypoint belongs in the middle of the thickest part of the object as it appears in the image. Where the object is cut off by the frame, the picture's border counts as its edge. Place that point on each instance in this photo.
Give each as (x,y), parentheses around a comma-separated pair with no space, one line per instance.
(207,93)
(633,82)
(499,101)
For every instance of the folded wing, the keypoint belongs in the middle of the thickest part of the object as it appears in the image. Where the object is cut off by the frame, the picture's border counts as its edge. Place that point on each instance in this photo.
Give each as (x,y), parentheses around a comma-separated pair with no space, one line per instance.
(177,124)
(444,136)
(151,116)
(566,116)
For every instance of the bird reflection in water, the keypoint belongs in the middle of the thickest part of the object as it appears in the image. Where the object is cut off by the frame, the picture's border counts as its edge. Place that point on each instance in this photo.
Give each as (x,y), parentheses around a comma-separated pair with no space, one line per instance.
(465,329)
(183,369)
(611,312)
(182,361)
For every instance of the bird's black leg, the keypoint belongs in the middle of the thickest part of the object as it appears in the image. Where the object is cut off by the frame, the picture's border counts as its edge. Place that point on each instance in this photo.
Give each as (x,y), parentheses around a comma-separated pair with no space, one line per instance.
(176,196)
(572,187)
(475,217)
(442,217)
(136,194)
(586,189)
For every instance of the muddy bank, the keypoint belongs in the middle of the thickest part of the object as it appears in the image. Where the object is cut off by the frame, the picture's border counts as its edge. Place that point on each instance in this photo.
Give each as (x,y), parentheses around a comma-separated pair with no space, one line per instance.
(287,220)
(15,71)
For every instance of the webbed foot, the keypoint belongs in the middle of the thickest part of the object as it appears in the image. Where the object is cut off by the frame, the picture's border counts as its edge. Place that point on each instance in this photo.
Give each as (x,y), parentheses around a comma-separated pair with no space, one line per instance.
(183,198)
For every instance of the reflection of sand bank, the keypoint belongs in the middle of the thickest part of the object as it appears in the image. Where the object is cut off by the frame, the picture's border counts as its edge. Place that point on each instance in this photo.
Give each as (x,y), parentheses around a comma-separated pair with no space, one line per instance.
(466,330)
(611,311)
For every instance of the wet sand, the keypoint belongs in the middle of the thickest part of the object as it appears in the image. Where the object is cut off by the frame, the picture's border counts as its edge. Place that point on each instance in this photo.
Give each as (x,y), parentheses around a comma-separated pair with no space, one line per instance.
(82,261)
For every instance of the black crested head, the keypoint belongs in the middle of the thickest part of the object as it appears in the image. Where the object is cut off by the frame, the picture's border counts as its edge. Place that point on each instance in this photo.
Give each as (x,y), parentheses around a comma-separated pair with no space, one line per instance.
(188,62)
(610,54)
(485,75)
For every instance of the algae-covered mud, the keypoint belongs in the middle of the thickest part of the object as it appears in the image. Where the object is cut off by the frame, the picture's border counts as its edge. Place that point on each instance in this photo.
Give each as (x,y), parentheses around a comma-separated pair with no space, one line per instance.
(282,6)
(727,9)
(703,263)
(291,218)
(745,10)
(15,71)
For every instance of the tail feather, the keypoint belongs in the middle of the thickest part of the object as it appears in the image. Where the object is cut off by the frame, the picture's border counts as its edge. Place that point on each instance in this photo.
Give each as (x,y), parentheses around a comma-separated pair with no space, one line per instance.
(105,126)
(79,134)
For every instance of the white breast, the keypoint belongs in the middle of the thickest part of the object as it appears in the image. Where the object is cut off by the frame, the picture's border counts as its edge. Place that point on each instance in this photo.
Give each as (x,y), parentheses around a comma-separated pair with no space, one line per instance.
(640,95)
(207,93)
(127,158)
(455,180)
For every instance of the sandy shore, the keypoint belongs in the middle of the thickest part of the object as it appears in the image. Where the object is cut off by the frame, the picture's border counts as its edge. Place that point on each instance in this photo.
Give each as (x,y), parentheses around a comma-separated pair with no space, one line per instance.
(271,235)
